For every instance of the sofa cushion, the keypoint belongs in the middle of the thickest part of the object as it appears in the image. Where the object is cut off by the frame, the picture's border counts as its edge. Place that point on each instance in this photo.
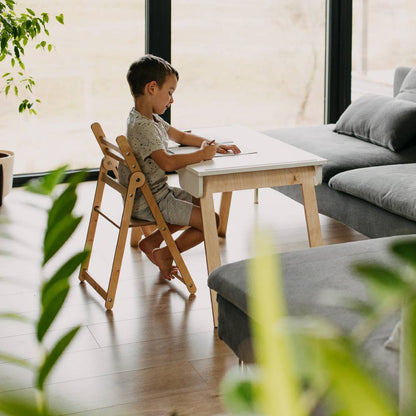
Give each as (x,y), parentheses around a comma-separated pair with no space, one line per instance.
(408,88)
(385,121)
(392,188)
(342,152)
(307,273)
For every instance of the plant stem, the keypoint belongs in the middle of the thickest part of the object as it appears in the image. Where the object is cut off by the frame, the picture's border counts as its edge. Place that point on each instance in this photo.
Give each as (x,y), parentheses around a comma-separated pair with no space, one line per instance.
(41,402)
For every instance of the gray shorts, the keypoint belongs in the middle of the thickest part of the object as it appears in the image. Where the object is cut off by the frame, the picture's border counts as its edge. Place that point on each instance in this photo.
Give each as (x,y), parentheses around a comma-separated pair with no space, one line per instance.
(176,208)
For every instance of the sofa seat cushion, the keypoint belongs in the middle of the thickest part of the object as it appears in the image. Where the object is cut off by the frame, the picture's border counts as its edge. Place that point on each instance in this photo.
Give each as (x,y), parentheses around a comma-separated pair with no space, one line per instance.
(307,273)
(342,152)
(392,188)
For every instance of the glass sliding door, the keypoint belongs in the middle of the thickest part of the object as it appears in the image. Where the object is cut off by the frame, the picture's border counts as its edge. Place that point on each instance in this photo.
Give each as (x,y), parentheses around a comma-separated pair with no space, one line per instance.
(81,81)
(259,63)
(382,40)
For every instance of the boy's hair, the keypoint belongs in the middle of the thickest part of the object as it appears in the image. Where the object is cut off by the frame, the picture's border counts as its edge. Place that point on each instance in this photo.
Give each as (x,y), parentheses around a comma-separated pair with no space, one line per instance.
(147,69)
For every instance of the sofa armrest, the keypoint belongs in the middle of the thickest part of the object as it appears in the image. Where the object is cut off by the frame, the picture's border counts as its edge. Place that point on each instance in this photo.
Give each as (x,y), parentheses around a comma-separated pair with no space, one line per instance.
(399,75)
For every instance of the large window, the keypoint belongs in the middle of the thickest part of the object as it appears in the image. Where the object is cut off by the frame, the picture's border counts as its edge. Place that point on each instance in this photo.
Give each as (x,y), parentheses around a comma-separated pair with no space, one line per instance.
(259,63)
(81,81)
(382,40)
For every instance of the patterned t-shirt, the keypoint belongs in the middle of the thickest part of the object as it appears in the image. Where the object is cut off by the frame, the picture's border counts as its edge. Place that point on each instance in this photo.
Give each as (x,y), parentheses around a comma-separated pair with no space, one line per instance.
(146,136)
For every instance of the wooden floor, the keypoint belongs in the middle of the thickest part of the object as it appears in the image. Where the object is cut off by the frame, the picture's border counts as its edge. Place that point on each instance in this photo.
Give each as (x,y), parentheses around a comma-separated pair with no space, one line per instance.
(157,351)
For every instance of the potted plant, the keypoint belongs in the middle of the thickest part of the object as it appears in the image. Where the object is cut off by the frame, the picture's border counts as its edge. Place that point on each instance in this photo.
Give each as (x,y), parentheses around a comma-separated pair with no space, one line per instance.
(19,26)
(6,173)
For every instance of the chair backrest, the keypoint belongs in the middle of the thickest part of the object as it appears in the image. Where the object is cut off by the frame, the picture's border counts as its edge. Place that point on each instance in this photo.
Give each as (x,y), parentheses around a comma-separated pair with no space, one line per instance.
(117,154)
(113,156)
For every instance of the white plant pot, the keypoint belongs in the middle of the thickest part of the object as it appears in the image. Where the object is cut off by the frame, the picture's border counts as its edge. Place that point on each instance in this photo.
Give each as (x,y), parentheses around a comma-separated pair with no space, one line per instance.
(7,161)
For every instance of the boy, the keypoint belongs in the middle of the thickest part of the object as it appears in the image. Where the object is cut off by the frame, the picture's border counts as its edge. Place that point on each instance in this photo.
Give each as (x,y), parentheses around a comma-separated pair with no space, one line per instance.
(152,83)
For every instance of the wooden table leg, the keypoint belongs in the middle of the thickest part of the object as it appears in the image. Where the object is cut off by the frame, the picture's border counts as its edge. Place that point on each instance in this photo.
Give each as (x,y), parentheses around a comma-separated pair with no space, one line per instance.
(311,213)
(212,249)
(256,196)
(224,213)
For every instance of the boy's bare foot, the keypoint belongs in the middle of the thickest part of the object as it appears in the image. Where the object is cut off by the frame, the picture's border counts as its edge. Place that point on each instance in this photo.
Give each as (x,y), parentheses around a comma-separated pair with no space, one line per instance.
(147,247)
(163,259)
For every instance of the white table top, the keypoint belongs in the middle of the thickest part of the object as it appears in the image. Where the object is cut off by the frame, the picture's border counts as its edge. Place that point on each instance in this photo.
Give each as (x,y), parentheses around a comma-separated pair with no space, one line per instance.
(270,154)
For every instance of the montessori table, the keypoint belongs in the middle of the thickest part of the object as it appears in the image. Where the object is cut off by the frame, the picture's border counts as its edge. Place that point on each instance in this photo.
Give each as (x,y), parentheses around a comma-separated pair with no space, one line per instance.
(273,163)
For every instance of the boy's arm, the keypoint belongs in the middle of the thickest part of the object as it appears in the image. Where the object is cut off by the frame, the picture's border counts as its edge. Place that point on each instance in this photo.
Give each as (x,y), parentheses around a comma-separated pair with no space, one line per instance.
(185,138)
(170,163)
(189,139)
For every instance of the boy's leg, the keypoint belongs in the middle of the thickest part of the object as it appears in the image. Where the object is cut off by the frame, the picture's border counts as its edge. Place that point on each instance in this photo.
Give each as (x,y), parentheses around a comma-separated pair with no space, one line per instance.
(188,239)
(154,240)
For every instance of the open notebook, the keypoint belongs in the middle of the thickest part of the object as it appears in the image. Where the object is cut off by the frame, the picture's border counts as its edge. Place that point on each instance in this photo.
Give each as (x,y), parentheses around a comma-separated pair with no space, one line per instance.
(180,150)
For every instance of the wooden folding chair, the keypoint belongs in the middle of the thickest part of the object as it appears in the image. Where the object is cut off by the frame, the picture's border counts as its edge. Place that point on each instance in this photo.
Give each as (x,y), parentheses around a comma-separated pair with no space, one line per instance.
(113,155)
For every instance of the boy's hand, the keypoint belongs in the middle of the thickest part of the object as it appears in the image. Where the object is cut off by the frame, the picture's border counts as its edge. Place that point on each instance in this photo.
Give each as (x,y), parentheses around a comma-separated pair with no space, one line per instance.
(223,148)
(209,149)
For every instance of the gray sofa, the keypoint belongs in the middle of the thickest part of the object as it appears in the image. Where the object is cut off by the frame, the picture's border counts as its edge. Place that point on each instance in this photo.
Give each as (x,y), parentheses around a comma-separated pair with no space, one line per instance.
(366,186)
(306,275)
(371,188)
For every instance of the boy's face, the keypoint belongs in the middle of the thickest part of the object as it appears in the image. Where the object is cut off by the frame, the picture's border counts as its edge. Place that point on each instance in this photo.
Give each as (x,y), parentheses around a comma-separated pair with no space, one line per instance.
(163,96)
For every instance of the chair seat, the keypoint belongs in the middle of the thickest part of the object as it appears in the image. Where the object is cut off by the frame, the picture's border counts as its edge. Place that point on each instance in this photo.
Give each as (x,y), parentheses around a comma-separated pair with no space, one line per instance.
(140,223)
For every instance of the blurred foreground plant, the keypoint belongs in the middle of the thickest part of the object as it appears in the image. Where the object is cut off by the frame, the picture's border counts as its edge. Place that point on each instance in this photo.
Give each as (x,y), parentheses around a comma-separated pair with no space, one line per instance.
(303,363)
(61,224)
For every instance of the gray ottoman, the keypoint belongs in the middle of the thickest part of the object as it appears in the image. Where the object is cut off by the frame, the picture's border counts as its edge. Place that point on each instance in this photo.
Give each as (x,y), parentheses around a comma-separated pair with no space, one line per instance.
(306,274)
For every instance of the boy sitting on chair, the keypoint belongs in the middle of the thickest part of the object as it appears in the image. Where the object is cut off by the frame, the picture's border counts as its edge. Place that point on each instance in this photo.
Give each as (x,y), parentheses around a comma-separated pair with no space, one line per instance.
(152,83)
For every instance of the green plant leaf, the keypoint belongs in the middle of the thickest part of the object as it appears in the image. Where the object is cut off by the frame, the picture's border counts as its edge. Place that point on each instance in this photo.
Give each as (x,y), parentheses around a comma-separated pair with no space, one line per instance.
(60,18)
(15,317)
(406,250)
(238,392)
(18,406)
(54,355)
(17,360)
(279,390)
(50,311)
(47,183)
(382,276)
(54,284)
(408,358)
(62,206)
(353,389)
(58,235)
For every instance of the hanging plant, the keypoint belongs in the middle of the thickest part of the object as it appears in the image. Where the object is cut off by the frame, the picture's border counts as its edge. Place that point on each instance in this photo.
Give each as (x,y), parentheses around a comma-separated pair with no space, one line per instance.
(17,30)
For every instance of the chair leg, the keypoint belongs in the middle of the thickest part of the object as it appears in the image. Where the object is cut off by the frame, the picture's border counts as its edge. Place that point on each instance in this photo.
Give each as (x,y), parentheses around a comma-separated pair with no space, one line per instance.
(119,251)
(177,256)
(135,236)
(92,227)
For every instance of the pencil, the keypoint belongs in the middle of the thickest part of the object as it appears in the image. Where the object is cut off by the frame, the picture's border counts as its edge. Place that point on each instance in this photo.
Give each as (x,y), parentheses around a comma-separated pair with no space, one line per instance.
(211,142)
